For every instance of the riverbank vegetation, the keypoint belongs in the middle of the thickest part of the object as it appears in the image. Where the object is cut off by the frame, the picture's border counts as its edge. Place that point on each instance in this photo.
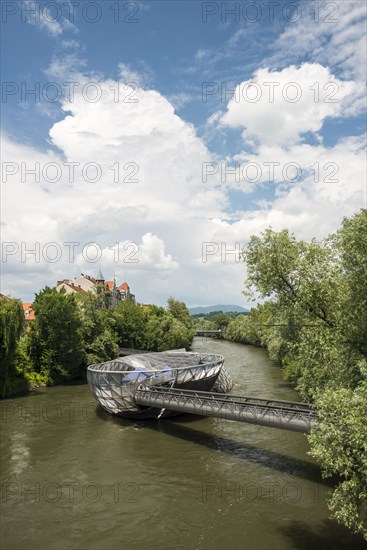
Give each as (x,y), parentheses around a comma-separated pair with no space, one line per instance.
(314,324)
(12,326)
(71,332)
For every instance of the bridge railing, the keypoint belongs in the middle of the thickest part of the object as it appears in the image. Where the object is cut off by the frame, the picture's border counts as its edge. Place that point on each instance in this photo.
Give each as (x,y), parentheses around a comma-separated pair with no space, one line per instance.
(279,414)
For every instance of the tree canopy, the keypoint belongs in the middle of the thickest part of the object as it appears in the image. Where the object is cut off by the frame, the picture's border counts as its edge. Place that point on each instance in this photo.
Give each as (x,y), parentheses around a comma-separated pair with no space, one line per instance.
(317,328)
(11,328)
(55,342)
(72,331)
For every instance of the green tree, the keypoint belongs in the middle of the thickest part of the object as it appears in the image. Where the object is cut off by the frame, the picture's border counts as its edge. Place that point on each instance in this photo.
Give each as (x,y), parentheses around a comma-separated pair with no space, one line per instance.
(220,321)
(55,340)
(256,329)
(307,282)
(11,328)
(100,340)
(165,332)
(351,240)
(339,442)
(180,312)
(130,321)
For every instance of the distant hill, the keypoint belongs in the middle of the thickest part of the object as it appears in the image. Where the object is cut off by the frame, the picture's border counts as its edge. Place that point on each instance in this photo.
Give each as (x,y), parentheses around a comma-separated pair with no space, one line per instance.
(209,309)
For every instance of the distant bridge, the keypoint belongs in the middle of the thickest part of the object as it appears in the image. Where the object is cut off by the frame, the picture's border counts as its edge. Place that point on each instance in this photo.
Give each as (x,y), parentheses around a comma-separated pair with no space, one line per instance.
(212,333)
(286,415)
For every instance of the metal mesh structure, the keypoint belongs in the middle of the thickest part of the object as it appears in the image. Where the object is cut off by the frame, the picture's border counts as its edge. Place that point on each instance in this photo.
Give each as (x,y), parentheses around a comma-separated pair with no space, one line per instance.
(286,415)
(114,383)
(224,382)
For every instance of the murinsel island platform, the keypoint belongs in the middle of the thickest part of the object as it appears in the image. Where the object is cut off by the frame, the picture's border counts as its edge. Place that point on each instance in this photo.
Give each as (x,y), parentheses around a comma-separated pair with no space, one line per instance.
(157,385)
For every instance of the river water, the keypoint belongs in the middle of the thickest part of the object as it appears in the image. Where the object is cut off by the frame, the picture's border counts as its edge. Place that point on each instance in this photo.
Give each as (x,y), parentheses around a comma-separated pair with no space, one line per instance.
(74,477)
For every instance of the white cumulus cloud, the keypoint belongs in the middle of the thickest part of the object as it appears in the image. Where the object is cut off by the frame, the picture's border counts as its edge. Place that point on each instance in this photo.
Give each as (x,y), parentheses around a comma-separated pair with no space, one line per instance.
(280,107)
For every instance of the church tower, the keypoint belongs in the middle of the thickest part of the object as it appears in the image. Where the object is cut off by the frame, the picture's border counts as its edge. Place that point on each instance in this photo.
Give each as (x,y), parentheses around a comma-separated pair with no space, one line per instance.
(102,300)
(99,278)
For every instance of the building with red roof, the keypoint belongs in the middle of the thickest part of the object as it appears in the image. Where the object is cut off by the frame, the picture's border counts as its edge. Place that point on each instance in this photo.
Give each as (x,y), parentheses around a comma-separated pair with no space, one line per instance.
(113,294)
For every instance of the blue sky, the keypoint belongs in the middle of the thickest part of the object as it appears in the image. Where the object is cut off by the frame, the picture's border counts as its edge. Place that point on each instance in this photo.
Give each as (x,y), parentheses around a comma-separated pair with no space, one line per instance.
(164,43)
(182,62)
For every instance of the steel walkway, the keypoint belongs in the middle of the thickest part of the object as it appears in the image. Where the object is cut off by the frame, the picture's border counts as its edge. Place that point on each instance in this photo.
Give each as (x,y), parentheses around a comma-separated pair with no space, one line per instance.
(286,415)
(215,333)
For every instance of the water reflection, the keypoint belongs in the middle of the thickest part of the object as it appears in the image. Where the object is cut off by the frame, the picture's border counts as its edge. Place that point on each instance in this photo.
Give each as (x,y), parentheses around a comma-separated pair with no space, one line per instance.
(177,427)
(19,453)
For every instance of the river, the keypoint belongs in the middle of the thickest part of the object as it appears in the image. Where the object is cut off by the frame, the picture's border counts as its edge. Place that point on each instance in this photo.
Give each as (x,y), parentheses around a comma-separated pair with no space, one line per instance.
(76,478)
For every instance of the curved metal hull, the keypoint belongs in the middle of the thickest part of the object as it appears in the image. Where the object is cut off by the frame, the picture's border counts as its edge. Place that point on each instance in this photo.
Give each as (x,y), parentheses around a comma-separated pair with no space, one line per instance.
(114,386)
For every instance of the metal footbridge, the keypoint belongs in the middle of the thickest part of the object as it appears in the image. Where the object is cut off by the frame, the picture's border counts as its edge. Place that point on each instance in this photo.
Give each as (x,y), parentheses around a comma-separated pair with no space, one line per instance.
(286,415)
(213,333)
